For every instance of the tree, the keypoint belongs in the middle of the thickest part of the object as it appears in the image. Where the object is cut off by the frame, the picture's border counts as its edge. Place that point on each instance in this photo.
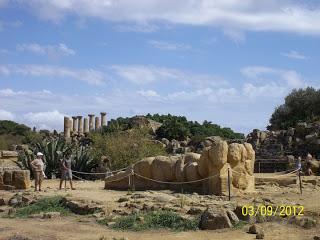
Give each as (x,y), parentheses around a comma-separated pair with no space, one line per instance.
(299,105)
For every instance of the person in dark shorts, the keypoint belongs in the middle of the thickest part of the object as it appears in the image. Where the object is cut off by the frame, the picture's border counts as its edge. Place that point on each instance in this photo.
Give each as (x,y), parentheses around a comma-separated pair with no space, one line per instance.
(66,172)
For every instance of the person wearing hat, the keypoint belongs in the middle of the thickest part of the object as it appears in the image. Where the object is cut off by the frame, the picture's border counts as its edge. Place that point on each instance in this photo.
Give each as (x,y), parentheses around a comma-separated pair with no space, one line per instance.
(38,170)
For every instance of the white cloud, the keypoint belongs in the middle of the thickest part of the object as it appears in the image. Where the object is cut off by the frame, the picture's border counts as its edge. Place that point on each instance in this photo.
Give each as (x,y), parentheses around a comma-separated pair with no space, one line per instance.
(44,120)
(235,35)
(218,95)
(294,55)
(49,50)
(269,90)
(9,24)
(148,93)
(142,28)
(291,77)
(263,15)
(90,76)
(146,74)
(170,46)
(6,115)
(4,51)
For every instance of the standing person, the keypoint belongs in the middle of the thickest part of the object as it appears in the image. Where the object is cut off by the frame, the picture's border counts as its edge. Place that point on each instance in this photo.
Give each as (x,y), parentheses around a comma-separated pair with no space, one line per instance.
(308,164)
(66,172)
(299,163)
(38,170)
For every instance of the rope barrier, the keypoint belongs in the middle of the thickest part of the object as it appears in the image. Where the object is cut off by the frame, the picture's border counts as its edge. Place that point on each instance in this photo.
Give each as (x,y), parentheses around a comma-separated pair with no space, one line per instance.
(277,176)
(175,183)
(87,173)
(116,180)
(79,178)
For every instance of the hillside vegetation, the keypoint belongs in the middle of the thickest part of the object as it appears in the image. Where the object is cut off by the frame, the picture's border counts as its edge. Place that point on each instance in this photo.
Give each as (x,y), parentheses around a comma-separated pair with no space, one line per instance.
(299,105)
(176,127)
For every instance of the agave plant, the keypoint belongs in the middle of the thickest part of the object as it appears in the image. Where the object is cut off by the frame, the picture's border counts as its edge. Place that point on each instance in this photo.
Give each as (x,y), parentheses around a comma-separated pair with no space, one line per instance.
(53,150)
(83,160)
(24,160)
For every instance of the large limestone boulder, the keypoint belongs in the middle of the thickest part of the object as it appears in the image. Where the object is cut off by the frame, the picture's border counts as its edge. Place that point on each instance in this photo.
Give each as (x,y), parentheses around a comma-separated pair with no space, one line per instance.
(239,180)
(191,172)
(249,162)
(9,154)
(214,163)
(179,170)
(118,181)
(191,157)
(213,219)
(21,179)
(15,179)
(218,155)
(235,154)
(143,167)
(203,164)
(162,168)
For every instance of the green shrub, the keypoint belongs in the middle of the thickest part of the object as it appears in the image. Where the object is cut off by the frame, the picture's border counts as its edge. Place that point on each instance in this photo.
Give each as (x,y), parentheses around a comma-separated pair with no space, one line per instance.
(299,105)
(127,147)
(156,220)
(10,127)
(44,205)
(179,128)
(8,139)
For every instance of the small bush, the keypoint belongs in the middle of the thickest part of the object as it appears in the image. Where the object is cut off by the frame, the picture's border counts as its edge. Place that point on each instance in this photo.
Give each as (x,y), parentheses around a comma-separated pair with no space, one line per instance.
(44,205)
(156,220)
(125,148)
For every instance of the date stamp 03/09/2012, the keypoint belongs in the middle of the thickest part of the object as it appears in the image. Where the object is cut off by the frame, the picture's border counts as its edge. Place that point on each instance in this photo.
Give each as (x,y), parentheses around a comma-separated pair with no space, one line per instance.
(268,210)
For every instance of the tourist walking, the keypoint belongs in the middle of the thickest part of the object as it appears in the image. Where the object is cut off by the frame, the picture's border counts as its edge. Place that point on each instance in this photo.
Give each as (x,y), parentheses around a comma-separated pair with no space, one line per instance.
(38,171)
(66,172)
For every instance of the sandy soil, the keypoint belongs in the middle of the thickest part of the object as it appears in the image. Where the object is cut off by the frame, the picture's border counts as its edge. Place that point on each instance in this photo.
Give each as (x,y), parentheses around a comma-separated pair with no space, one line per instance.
(80,227)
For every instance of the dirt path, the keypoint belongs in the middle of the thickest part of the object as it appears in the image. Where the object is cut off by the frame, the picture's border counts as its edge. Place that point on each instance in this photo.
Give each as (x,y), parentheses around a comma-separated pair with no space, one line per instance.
(80,227)
(70,228)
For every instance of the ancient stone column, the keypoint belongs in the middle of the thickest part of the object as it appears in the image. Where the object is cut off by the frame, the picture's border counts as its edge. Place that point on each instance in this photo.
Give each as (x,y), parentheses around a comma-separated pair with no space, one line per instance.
(71,124)
(97,123)
(91,122)
(75,124)
(86,125)
(80,125)
(103,119)
(66,127)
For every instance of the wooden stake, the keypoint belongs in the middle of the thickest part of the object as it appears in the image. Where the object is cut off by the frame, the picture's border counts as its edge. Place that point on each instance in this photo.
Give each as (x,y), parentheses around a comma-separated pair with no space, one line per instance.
(229,183)
(300,183)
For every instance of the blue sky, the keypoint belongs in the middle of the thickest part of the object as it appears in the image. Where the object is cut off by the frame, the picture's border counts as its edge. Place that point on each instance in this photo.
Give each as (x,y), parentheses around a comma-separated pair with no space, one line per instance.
(230,62)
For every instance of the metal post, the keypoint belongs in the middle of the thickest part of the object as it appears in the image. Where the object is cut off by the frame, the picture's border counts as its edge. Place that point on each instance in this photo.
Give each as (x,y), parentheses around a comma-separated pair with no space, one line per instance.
(300,183)
(259,167)
(229,182)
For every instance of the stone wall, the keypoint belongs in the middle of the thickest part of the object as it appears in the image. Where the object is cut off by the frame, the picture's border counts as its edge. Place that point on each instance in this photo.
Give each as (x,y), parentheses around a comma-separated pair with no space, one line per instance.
(213,164)
(296,141)
(11,179)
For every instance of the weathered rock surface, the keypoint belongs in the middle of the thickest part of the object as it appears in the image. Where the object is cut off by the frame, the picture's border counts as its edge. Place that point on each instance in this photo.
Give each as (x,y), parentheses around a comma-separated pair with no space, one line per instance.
(298,141)
(8,154)
(214,164)
(213,219)
(14,179)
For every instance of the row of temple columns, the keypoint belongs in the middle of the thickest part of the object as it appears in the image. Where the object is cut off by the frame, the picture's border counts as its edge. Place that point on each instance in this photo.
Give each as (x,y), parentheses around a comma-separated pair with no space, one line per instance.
(79,125)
